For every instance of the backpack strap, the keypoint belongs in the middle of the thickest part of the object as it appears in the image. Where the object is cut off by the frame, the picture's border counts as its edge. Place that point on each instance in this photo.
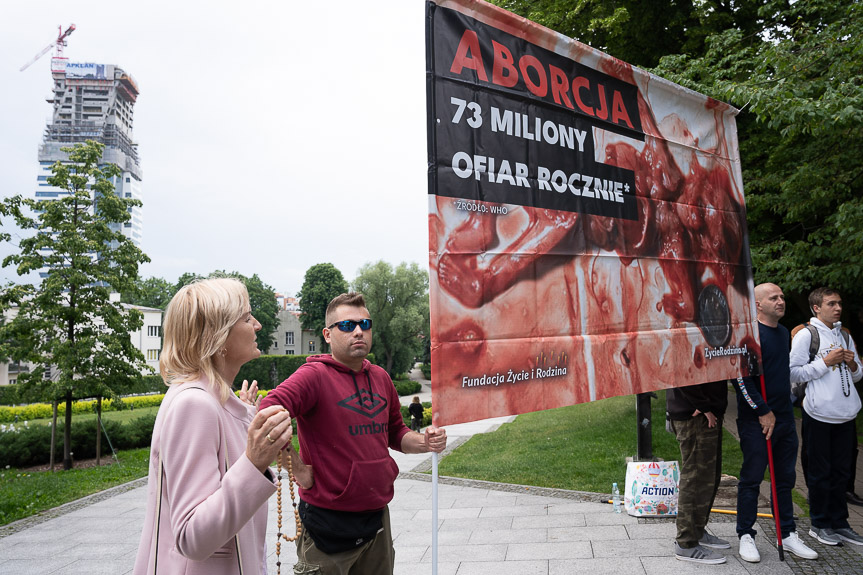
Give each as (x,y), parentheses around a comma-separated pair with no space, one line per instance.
(814,341)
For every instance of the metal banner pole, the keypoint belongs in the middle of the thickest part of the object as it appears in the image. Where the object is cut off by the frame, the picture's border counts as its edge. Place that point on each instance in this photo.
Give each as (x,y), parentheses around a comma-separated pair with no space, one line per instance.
(434,513)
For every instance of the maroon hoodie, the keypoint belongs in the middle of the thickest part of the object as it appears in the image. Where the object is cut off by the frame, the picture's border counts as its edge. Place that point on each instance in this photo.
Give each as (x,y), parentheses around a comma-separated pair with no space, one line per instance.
(346,419)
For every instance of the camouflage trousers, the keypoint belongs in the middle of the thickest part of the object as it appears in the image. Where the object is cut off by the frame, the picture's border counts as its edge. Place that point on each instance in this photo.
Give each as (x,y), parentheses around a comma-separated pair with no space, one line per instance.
(700,465)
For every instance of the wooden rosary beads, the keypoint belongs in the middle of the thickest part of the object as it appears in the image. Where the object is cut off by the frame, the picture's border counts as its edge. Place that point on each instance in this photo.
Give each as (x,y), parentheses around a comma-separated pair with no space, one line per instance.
(280,535)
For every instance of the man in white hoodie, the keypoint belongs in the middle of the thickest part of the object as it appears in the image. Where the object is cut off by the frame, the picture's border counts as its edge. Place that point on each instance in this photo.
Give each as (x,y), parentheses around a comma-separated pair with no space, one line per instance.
(829,408)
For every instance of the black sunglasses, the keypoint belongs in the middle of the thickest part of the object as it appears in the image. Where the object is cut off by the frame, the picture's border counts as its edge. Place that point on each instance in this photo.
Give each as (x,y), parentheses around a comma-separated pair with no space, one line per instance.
(350,325)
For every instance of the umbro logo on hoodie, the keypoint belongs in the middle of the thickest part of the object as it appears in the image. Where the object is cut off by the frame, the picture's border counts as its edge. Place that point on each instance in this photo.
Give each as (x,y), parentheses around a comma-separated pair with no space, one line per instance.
(365,403)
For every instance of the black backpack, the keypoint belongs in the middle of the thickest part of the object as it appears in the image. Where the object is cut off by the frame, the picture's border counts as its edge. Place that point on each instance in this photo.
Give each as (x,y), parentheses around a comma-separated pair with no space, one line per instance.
(798,389)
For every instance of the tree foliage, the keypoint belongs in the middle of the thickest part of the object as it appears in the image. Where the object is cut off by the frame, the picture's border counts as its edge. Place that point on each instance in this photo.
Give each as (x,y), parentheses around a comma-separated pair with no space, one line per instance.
(800,84)
(321,284)
(150,292)
(397,301)
(636,31)
(67,325)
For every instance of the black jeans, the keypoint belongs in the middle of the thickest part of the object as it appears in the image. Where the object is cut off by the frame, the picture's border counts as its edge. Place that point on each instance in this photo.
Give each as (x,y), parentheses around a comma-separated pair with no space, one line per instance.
(830,456)
(754,447)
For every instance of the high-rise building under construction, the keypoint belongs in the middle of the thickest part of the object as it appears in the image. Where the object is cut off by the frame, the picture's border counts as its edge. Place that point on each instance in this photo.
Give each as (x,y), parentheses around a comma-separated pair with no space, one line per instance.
(94,102)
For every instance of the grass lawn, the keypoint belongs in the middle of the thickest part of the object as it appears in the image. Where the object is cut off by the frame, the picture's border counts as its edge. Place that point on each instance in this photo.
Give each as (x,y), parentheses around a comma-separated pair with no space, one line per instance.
(28,493)
(580,447)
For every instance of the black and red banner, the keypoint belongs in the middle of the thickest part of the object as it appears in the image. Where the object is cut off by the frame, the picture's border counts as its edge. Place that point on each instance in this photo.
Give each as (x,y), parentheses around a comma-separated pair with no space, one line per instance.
(587,232)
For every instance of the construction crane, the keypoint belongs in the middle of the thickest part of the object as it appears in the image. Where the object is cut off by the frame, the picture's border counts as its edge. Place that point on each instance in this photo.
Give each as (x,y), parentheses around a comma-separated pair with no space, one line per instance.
(60,42)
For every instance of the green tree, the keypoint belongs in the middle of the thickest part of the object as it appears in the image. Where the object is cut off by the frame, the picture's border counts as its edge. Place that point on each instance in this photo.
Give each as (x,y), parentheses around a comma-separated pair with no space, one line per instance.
(636,31)
(188,278)
(321,284)
(262,298)
(151,292)
(398,303)
(266,310)
(800,83)
(67,324)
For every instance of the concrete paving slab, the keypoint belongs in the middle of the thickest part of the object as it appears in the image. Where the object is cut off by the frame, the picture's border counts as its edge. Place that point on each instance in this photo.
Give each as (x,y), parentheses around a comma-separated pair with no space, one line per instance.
(424,515)
(565,507)
(548,521)
(667,531)
(410,554)
(514,511)
(590,533)
(424,537)
(30,567)
(606,518)
(633,547)
(553,550)
(477,524)
(93,567)
(603,566)
(504,568)
(481,536)
(469,553)
(444,568)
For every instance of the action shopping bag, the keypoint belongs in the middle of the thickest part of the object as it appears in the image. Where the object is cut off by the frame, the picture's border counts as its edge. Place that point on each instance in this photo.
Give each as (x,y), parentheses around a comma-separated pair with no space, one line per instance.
(651,488)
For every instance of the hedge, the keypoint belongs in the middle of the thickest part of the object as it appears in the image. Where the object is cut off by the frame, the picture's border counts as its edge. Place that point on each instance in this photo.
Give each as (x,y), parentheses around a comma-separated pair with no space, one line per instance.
(407,386)
(426,369)
(44,411)
(146,384)
(31,445)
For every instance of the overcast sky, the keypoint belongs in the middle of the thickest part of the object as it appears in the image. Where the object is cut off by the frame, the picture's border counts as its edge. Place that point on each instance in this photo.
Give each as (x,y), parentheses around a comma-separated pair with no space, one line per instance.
(273,135)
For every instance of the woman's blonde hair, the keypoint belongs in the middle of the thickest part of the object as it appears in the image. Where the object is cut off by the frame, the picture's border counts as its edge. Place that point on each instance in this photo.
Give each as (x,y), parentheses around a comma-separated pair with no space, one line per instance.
(196,326)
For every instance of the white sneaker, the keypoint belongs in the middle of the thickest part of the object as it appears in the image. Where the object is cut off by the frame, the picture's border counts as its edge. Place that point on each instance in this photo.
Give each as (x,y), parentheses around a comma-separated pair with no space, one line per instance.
(748,550)
(793,544)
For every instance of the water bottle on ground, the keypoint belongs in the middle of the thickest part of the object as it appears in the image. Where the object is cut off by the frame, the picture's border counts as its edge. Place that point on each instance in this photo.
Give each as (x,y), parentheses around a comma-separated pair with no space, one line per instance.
(615,497)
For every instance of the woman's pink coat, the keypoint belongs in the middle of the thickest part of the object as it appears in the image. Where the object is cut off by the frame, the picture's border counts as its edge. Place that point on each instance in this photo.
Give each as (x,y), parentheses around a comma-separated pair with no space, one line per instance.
(202,506)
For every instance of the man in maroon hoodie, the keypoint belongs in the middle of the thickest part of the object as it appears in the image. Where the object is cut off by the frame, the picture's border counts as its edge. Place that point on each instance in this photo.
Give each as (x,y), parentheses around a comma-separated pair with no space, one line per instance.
(348,414)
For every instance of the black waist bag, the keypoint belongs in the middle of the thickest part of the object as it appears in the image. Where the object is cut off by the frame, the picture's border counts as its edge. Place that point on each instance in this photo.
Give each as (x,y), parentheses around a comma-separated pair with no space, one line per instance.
(337,531)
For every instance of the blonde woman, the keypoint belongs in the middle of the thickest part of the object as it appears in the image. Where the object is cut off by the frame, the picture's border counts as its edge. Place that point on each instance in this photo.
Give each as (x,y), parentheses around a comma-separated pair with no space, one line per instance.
(209,479)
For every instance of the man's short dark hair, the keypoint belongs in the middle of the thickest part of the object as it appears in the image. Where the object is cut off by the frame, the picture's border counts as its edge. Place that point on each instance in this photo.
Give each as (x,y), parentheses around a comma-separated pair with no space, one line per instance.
(351,299)
(817,297)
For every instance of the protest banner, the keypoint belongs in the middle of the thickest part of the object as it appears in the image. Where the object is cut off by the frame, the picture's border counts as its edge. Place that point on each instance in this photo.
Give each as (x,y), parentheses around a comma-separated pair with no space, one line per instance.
(587,230)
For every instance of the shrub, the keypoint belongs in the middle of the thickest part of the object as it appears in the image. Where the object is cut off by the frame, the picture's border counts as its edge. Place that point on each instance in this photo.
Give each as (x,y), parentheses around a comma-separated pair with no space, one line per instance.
(147,384)
(31,445)
(8,394)
(426,369)
(407,387)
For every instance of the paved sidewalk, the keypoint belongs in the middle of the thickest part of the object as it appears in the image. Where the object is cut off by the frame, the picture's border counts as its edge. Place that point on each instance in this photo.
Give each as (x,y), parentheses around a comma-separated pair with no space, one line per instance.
(483,528)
